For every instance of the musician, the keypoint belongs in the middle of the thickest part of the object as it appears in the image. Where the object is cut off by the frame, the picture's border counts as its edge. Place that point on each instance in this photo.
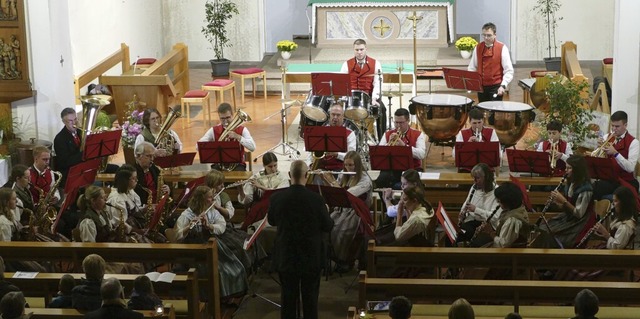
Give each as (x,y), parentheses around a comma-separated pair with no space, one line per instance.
(240,134)
(513,223)
(477,132)
(302,219)
(222,202)
(416,231)
(19,182)
(10,225)
(67,143)
(41,175)
(269,178)
(409,178)
(124,196)
(152,121)
(402,135)
(362,69)
(201,221)
(623,226)
(563,148)
(480,203)
(334,161)
(575,199)
(346,236)
(147,173)
(625,149)
(97,225)
(492,60)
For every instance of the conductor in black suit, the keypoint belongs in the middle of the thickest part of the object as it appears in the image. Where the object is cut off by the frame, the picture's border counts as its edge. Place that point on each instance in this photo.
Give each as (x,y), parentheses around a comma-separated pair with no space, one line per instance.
(301,217)
(66,144)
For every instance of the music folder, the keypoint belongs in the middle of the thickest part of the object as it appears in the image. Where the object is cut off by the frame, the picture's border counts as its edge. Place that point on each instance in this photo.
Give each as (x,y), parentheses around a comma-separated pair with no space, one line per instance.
(468,154)
(157,213)
(450,228)
(325,138)
(101,144)
(397,158)
(463,79)
(220,152)
(79,176)
(340,197)
(182,159)
(529,162)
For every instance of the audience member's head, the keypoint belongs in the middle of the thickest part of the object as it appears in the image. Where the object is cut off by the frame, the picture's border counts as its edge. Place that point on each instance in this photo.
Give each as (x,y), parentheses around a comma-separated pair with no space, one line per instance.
(400,308)
(461,309)
(94,267)
(12,305)
(111,289)
(66,284)
(1,268)
(586,304)
(143,285)
(513,315)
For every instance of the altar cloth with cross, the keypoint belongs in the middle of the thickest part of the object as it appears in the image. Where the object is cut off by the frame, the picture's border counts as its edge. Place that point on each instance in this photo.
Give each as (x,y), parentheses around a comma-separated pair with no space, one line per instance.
(338,23)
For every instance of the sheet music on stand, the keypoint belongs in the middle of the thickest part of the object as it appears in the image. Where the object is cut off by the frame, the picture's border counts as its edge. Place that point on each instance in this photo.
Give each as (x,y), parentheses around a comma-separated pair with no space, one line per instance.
(251,240)
(468,154)
(450,228)
(531,162)
(463,79)
(602,168)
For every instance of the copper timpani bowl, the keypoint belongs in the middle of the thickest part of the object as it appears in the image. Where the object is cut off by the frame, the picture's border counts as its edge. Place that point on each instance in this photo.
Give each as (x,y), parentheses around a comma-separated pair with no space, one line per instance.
(441,116)
(509,119)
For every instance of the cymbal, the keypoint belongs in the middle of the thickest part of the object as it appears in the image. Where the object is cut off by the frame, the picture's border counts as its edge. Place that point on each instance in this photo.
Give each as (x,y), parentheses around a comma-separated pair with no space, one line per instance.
(392,94)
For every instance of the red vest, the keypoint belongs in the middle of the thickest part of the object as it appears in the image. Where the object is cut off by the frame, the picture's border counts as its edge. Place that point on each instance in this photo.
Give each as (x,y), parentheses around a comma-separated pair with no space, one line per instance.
(356,74)
(42,182)
(411,139)
(561,166)
(332,163)
(486,134)
(490,63)
(623,148)
(217,131)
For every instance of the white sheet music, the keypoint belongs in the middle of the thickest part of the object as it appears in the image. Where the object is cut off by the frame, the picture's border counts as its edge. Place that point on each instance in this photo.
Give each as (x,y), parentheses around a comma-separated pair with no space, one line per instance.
(24,274)
(429,175)
(251,240)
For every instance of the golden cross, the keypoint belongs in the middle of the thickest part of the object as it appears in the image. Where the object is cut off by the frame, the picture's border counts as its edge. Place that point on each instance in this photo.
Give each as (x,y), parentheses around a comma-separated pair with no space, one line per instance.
(415,19)
(382,28)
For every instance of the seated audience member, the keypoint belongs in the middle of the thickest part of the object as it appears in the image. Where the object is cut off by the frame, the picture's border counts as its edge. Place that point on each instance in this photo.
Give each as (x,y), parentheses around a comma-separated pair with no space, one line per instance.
(513,315)
(86,295)
(64,297)
(461,309)
(143,297)
(586,305)
(400,308)
(5,287)
(113,304)
(12,306)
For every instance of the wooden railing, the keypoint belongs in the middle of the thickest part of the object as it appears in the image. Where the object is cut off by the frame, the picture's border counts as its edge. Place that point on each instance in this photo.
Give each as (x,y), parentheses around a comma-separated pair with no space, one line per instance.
(83,79)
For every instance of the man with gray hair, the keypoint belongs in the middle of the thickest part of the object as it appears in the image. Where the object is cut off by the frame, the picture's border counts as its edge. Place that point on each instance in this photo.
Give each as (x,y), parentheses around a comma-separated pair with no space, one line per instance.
(113,304)
(147,173)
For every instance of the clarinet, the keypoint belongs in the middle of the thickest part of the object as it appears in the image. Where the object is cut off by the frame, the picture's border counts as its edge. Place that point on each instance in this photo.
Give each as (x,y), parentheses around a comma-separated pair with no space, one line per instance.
(544,210)
(594,228)
(484,224)
(463,214)
(550,199)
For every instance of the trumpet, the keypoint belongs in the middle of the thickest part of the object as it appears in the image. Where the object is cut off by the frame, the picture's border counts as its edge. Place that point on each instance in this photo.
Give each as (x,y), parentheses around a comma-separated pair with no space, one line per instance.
(399,136)
(478,134)
(552,155)
(602,150)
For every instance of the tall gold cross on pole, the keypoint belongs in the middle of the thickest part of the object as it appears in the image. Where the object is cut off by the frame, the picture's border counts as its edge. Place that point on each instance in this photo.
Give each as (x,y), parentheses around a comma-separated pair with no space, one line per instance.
(415,18)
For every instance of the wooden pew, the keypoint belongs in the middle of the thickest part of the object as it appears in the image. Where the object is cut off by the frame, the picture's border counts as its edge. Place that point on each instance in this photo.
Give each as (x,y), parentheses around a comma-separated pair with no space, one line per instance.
(515,292)
(50,313)
(129,253)
(46,285)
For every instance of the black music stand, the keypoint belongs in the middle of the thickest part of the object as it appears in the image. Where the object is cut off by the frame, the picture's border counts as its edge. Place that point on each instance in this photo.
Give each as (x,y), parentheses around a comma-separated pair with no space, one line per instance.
(220,152)
(468,154)
(602,168)
(330,84)
(463,79)
(171,161)
(395,158)
(101,144)
(325,139)
(529,162)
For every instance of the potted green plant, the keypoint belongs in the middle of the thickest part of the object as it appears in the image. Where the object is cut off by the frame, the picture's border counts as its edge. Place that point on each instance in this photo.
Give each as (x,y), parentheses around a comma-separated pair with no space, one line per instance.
(466,45)
(548,9)
(217,14)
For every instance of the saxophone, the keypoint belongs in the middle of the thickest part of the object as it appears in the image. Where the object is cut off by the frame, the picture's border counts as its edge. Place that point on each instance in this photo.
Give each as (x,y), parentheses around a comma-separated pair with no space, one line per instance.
(121,230)
(148,211)
(46,214)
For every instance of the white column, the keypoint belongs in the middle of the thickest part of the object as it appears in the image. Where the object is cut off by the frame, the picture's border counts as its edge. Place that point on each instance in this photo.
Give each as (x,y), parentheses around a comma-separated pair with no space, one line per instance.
(626,57)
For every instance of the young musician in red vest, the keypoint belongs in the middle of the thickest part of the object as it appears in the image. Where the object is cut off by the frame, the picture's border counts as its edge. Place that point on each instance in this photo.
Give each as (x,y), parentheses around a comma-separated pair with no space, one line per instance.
(41,175)
(476,132)
(361,69)
(624,149)
(403,135)
(334,161)
(562,147)
(492,60)
(240,134)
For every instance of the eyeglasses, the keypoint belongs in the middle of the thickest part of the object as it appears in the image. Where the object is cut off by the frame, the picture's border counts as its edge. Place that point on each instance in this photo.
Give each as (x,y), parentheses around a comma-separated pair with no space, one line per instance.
(486,35)
(155,118)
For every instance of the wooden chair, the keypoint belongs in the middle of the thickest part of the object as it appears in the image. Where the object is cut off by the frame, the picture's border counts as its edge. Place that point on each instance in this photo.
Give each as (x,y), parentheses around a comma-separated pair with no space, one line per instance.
(219,86)
(601,207)
(197,97)
(250,73)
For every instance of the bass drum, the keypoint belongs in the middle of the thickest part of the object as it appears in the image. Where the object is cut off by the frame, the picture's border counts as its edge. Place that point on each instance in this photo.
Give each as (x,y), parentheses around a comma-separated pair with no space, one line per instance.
(305,121)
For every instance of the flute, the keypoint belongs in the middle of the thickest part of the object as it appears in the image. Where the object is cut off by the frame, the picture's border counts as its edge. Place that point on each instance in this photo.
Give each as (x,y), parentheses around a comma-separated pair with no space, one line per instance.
(198,220)
(321,171)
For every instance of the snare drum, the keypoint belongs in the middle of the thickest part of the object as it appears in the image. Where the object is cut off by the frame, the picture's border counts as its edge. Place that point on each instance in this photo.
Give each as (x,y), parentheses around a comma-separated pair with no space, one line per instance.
(357,107)
(316,108)
(509,119)
(441,116)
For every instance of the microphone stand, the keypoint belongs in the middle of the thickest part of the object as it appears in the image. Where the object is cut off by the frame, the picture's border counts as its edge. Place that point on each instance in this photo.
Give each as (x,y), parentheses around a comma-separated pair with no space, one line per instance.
(310,31)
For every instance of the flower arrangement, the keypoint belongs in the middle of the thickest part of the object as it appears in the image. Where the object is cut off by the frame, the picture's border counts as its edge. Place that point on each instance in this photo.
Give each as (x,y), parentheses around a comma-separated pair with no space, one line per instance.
(466,44)
(286,46)
(132,126)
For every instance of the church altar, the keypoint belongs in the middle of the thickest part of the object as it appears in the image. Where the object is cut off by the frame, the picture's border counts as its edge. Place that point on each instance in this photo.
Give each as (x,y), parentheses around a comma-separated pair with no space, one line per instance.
(340,22)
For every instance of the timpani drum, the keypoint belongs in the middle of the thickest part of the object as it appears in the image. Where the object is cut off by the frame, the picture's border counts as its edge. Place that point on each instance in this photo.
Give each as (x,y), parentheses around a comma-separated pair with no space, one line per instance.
(316,108)
(441,116)
(357,107)
(509,119)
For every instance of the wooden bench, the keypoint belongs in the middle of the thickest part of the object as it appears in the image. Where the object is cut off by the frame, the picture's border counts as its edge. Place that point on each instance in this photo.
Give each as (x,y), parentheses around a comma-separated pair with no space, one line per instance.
(128,253)
(46,285)
(50,313)
(515,292)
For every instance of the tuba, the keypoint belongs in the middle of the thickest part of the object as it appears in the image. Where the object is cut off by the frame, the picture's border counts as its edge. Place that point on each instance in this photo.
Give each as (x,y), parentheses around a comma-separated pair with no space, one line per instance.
(240,118)
(165,140)
(91,106)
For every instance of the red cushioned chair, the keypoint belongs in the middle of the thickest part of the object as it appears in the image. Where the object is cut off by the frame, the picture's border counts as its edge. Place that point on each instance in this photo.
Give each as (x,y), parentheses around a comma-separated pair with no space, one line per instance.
(250,73)
(219,86)
(196,97)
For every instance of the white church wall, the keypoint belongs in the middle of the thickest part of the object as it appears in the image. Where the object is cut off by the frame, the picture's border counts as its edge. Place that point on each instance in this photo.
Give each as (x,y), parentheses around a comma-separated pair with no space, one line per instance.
(472,14)
(284,19)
